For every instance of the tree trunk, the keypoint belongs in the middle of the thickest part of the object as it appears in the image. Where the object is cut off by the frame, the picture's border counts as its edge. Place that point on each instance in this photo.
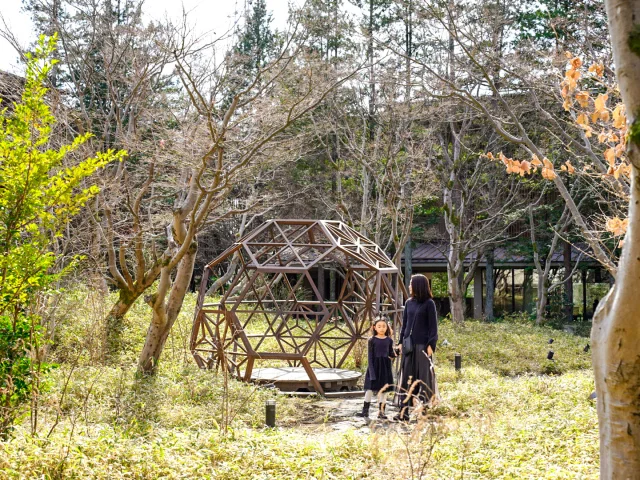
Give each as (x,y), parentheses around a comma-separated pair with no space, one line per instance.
(491,286)
(615,337)
(526,290)
(456,294)
(408,265)
(568,284)
(115,324)
(616,331)
(165,312)
(541,306)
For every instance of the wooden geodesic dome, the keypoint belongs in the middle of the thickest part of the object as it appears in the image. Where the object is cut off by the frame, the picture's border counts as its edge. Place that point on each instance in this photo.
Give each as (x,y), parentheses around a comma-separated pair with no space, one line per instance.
(279,307)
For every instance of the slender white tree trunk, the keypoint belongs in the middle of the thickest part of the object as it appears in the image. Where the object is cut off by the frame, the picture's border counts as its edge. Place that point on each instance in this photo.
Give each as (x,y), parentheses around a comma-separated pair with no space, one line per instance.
(615,339)
(541,305)
(456,300)
(615,335)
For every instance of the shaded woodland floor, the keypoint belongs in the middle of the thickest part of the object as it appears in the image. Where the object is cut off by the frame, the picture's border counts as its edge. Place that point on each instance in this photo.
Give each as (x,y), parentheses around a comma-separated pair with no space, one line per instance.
(510,413)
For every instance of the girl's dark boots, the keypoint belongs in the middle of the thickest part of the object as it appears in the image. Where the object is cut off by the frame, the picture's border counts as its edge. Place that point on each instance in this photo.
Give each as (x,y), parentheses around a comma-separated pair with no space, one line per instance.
(403,416)
(365,410)
(381,414)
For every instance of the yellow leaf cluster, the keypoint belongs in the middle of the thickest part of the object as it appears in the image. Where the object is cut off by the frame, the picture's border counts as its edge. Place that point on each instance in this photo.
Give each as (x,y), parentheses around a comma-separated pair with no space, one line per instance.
(597,68)
(623,169)
(570,83)
(617,226)
(525,167)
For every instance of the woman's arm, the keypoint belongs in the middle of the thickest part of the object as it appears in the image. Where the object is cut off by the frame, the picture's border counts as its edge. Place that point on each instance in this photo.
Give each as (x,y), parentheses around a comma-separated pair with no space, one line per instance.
(404,321)
(432,326)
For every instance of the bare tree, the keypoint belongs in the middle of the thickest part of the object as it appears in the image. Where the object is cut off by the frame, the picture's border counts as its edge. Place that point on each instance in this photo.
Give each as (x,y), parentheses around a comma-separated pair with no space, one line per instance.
(232,138)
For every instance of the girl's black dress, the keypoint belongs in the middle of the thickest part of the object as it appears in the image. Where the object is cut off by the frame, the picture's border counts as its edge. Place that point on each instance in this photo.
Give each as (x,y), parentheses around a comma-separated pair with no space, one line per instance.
(379,373)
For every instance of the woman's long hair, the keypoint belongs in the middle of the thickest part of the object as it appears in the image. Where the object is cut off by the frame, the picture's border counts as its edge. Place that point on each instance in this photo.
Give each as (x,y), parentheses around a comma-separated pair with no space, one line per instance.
(420,289)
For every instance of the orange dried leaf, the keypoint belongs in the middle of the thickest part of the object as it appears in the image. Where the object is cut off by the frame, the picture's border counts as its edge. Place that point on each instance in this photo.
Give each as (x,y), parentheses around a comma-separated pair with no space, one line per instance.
(583,99)
(597,68)
(548,174)
(616,173)
(601,102)
(582,119)
(619,117)
(602,137)
(610,156)
(570,168)
(572,74)
(616,226)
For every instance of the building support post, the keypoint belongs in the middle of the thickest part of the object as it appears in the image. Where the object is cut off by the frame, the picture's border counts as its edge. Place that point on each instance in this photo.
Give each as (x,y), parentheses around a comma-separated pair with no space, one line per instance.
(513,290)
(477,293)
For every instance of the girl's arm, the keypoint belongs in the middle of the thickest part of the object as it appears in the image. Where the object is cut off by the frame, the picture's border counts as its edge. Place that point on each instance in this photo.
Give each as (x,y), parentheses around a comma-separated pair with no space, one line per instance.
(370,370)
(392,351)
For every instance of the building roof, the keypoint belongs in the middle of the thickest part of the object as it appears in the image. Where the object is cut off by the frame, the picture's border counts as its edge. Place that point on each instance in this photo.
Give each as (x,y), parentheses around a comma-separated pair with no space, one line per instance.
(435,254)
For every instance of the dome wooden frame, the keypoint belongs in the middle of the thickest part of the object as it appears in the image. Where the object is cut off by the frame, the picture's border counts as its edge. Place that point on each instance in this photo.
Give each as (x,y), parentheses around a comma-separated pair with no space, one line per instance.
(275,309)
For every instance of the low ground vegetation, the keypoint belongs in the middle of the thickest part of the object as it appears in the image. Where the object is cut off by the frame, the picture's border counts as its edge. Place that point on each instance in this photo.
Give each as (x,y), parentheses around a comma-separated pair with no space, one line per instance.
(510,413)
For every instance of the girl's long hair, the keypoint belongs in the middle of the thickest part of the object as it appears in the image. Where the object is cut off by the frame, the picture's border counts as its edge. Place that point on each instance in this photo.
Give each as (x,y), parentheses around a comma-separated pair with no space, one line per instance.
(420,289)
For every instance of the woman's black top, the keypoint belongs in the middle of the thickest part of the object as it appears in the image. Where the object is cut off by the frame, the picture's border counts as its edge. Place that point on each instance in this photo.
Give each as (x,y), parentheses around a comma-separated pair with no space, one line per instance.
(425,330)
(379,372)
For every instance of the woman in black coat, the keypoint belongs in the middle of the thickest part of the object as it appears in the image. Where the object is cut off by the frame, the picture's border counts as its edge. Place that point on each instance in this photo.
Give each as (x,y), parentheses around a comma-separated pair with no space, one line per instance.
(420,323)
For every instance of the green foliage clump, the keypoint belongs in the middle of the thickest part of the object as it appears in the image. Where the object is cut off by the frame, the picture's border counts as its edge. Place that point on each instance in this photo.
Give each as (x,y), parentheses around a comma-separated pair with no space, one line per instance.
(39,195)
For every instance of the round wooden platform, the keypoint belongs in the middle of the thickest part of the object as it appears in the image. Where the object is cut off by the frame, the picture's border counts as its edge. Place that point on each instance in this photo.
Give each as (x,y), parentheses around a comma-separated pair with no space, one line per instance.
(295,379)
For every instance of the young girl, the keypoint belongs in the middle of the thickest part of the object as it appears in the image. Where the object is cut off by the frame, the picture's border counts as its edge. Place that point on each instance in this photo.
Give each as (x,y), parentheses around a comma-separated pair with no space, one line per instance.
(379,375)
